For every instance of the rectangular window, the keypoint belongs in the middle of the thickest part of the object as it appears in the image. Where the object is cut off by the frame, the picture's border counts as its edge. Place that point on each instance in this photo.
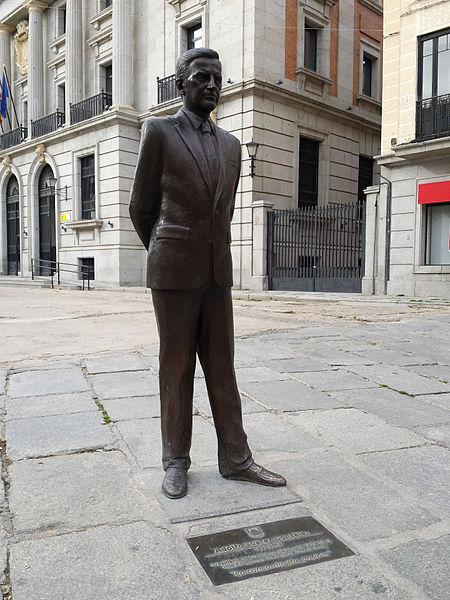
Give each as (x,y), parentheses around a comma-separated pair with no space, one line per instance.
(433,106)
(308,177)
(311,35)
(108,79)
(194,36)
(86,268)
(87,187)
(367,75)
(365,176)
(61,23)
(108,3)
(61,98)
(438,234)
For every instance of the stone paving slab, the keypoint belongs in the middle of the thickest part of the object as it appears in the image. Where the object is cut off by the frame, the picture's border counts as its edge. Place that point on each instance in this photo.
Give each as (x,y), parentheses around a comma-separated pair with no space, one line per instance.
(331,356)
(210,495)
(3,556)
(425,471)
(437,433)
(383,355)
(436,399)
(440,372)
(396,408)
(296,365)
(125,384)
(425,563)
(201,403)
(256,349)
(51,381)
(268,432)
(401,379)
(143,437)
(353,430)
(114,363)
(3,373)
(361,505)
(140,407)
(56,434)
(289,396)
(44,406)
(256,374)
(130,562)
(62,493)
(327,381)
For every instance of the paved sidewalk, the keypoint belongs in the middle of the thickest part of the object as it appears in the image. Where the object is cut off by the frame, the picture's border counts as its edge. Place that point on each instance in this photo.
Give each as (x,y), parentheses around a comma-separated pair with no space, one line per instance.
(355,415)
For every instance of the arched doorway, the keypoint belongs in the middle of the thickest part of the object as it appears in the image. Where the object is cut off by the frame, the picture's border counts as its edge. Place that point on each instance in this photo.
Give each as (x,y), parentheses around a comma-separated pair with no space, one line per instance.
(47,224)
(13,226)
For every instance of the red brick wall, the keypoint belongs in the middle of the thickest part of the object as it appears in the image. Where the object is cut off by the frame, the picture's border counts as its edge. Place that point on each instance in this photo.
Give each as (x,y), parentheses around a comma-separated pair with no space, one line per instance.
(291,39)
(368,25)
(334,24)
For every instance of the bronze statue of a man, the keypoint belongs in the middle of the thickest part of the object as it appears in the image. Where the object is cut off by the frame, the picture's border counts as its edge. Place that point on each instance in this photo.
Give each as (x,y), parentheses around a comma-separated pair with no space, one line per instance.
(181,205)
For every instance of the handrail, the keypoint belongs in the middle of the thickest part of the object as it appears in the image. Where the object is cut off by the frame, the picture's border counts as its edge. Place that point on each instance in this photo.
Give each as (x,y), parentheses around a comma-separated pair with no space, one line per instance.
(56,267)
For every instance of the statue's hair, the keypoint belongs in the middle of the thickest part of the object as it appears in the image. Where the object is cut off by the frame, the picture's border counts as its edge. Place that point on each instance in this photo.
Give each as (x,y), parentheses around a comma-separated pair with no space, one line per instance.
(187,57)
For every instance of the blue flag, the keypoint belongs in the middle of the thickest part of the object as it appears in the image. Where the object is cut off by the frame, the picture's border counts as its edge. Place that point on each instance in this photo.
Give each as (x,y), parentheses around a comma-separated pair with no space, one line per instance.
(5,95)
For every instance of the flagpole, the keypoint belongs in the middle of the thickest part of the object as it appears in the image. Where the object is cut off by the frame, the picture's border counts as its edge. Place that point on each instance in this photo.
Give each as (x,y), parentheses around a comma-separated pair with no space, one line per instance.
(5,72)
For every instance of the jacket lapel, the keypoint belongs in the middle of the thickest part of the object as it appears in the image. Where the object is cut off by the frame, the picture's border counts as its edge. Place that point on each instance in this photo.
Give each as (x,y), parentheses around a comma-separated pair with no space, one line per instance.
(184,128)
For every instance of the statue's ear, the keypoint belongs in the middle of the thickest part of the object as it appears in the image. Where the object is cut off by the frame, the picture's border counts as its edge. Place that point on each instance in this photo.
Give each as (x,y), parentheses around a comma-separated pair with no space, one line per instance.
(179,84)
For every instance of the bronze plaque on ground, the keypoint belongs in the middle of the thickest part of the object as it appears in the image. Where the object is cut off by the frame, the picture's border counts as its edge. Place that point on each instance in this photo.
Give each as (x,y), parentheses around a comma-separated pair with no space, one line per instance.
(238,554)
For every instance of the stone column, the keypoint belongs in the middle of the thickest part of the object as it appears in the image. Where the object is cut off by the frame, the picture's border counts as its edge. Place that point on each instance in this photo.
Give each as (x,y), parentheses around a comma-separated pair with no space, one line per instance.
(122,52)
(5,48)
(35,61)
(74,54)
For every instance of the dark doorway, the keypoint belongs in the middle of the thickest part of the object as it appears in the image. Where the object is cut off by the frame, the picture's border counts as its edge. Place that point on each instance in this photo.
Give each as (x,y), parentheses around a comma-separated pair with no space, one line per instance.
(47,224)
(365,177)
(13,226)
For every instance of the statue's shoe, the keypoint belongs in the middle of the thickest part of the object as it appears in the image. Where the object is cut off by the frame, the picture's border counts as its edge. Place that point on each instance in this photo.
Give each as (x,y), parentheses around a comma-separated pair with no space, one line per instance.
(256,474)
(175,483)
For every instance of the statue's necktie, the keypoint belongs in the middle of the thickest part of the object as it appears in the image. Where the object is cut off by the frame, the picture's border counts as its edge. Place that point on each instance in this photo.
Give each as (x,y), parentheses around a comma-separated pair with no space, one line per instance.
(210,148)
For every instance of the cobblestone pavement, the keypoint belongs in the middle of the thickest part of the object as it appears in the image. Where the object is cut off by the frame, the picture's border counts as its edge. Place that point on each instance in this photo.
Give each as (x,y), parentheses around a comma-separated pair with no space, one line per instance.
(348,397)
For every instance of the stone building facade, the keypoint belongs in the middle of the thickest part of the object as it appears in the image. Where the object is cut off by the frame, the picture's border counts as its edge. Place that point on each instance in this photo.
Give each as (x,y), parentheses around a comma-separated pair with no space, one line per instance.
(409,213)
(300,78)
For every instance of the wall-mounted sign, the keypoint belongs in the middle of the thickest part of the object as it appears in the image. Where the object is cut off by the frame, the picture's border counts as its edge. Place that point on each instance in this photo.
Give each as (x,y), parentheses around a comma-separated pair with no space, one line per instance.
(64,217)
(433,193)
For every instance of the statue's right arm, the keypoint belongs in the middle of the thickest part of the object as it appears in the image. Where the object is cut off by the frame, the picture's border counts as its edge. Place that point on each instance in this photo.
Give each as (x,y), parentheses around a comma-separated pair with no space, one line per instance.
(145,198)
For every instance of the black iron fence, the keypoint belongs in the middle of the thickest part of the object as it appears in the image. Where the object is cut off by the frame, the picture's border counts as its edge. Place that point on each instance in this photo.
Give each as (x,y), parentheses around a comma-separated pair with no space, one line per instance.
(167,89)
(47,124)
(13,138)
(90,107)
(316,248)
(433,117)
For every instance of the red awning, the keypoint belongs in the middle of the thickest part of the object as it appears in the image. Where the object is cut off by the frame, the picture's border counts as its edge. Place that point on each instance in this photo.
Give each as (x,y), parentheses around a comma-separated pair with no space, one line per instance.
(431,193)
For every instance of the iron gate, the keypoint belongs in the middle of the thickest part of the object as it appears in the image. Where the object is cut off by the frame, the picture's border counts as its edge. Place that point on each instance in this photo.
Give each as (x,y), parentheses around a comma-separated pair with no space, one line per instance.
(316,249)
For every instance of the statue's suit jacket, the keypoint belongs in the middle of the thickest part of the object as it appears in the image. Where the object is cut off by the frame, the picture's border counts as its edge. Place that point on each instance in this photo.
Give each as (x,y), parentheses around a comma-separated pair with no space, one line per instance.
(181,218)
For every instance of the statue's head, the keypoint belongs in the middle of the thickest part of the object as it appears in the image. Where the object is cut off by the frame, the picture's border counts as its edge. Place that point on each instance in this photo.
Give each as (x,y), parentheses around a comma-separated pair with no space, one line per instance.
(199,79)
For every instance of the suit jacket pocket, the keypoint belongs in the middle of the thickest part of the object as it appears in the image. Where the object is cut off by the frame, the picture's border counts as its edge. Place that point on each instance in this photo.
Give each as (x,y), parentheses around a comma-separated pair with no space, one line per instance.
(172,232)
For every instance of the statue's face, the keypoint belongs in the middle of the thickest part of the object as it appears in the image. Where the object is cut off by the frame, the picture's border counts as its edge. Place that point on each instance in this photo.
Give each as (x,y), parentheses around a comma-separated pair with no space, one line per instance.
(202,85)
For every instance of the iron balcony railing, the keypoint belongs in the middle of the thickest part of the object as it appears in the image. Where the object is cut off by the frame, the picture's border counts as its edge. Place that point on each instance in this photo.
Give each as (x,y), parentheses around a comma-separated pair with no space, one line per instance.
(47,124)
(167,89)
(90,107)
(433,117)
(13,138)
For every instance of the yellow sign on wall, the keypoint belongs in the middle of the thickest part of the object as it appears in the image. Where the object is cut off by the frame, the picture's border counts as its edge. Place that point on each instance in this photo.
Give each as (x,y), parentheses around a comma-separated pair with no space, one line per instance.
(64,217)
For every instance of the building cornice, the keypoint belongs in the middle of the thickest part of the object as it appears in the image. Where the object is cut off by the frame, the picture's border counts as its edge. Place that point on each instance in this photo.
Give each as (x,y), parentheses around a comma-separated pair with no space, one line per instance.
(113,116)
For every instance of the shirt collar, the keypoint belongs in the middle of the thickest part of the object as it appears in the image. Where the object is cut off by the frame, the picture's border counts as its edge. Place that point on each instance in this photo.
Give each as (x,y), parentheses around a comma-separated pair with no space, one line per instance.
(196,120)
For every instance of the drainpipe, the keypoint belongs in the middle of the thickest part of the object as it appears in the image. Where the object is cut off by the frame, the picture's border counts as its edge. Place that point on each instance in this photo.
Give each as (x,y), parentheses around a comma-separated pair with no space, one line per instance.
(375,231)
(387,252)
